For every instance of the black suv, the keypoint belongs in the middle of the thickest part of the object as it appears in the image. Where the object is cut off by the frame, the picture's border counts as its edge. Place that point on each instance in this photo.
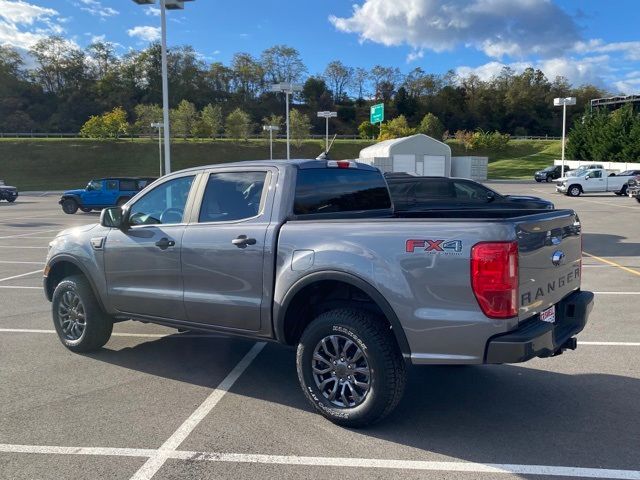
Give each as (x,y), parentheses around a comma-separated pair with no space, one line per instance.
(413,193)
(8,193)
(548,174)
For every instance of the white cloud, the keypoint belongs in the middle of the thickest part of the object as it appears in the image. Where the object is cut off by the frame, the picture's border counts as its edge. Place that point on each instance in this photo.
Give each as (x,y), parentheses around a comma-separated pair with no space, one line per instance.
(415,55)
(630,84)
(630,50)
(499,28)
(146,33)
(594,70)
(94,7)
(152,12)
(23,24)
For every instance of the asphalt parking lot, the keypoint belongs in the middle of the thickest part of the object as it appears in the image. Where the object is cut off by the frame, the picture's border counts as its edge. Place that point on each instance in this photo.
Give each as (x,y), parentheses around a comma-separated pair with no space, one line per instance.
(156,404)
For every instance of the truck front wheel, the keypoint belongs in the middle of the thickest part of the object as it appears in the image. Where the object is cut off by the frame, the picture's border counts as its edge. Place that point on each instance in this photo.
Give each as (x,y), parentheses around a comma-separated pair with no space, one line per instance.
(350,367)
(574,191)
(80,322)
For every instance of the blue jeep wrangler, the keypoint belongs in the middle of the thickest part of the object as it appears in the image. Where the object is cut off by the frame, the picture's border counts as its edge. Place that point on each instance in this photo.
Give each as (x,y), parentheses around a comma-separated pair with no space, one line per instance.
(102,193)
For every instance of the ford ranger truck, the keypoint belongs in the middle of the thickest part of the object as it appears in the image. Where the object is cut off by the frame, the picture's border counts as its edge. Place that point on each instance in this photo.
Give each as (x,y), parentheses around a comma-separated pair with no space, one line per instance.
(311,254)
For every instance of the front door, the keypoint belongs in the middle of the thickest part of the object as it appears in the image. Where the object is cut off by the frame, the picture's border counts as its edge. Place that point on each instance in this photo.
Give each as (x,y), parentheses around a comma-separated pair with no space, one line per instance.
(223,250)
(595,183)
(142,263)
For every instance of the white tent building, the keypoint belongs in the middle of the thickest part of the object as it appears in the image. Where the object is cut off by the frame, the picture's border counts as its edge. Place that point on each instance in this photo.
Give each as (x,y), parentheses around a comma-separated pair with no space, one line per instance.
(418,154)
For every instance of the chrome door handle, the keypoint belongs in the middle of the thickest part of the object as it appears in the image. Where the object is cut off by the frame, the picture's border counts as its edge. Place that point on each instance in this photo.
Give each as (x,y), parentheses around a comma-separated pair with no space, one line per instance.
(242,241)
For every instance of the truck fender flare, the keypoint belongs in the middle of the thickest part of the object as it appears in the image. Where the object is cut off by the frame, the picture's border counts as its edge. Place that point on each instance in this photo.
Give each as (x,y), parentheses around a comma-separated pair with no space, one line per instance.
(72,197)
(280,309)
(69,259)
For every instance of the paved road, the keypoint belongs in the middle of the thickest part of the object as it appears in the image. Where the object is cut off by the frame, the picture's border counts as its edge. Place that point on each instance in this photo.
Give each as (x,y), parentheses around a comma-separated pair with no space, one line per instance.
(155,404)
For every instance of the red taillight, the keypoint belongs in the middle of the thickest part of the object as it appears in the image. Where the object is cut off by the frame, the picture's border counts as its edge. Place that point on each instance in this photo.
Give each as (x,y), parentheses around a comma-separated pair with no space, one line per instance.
(341,164)
(494,278)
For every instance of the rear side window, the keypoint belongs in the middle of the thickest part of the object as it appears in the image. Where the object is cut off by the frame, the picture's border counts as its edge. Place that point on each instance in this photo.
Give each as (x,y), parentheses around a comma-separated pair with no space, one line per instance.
(434,188)
(112,184)
(128,185)
(332,190)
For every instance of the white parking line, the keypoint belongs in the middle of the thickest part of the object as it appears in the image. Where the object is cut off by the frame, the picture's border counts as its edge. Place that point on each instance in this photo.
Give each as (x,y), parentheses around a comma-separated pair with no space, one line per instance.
(617,293)
(345,462)
(29,234)
(170,335)
(18,262)
(21,275)
(8,287)
(155,463)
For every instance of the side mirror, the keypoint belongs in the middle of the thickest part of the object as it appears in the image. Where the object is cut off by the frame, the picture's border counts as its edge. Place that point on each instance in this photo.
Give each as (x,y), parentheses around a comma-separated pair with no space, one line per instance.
(587,177)
(491,196)
(113,217)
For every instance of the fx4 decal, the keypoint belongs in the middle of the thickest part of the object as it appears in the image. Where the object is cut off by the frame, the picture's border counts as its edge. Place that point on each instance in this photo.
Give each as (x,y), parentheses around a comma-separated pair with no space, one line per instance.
(434,246)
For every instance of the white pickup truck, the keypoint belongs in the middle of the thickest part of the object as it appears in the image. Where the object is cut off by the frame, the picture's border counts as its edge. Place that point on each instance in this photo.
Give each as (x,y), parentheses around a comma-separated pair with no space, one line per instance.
(591,181)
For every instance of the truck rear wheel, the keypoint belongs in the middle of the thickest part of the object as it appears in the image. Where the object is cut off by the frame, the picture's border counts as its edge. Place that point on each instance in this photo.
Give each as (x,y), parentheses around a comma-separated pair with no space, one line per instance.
(350,367)
(69,206)
(80,322)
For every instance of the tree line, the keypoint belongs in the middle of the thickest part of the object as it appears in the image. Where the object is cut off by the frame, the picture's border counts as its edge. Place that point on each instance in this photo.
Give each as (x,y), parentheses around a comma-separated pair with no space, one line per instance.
(63,86)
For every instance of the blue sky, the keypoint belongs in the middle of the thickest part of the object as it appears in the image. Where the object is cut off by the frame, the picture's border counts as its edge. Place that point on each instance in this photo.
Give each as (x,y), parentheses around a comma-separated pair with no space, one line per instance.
(585,40)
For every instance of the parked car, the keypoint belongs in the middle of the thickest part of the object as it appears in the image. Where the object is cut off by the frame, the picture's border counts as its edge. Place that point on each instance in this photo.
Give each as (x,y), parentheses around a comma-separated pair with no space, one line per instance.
(548,174)
(592,181)
(102,193)
(7,192)
(415,193)
(633,188)
(311,254)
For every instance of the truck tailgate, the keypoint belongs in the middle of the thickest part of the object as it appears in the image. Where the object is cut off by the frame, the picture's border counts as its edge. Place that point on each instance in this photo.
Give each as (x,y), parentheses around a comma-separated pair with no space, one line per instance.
(550,253)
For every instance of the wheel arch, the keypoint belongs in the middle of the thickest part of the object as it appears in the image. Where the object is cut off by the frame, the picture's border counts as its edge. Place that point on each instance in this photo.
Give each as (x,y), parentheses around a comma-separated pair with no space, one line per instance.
(63,266)
(287,330)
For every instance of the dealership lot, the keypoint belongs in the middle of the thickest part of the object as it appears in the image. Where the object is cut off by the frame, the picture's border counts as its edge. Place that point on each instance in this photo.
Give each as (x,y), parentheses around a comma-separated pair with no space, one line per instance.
(162,405)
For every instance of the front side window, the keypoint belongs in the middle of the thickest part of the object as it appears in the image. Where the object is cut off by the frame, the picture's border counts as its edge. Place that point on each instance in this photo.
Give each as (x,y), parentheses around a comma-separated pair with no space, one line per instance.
(94,185)
(112,185)
(433,189)
(163,205)
(596,174)
(232,196)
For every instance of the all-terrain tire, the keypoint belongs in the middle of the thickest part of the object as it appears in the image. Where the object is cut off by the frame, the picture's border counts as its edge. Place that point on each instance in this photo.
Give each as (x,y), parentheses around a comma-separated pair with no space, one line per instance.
(69,206)
(375,339)
(97,324)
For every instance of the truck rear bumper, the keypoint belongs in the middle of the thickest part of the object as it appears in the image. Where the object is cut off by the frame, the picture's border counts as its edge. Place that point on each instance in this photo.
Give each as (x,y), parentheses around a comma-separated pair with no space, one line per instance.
(536,338)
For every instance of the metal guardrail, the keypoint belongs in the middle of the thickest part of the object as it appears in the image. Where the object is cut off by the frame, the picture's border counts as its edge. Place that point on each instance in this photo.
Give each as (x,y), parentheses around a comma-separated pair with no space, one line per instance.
(222,136)
(154,136)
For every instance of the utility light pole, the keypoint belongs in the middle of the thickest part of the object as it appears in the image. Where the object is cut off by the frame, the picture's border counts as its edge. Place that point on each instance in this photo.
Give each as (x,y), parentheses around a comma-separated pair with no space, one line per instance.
(564,102)
(288,89)
(271,129)
(159,127)
(327,115)
(165,5)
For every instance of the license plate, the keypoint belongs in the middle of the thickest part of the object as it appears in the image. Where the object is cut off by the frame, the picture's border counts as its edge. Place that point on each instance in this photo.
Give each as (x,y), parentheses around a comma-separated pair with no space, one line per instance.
(548,315)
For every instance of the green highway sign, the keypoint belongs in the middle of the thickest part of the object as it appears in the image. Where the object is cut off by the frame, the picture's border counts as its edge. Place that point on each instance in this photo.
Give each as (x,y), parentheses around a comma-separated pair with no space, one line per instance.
(377,113)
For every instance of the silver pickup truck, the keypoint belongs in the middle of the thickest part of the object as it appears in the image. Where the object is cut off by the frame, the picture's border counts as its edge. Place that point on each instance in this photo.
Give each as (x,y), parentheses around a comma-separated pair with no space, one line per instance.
(310,254)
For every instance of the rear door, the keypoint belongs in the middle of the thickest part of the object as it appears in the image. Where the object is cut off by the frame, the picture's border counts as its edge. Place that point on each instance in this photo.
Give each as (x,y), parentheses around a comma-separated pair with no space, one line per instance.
(223,249)
(549,260)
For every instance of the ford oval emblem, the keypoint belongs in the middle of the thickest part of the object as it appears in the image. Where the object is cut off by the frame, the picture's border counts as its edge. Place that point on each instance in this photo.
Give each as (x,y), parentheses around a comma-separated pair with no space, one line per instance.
(557,257)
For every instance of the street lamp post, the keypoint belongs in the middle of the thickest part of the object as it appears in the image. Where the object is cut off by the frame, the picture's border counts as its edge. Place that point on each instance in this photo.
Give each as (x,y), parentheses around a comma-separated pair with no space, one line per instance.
(271,129)
(165,5)
(288,89)
(159,127)
(327,115)
(564,102)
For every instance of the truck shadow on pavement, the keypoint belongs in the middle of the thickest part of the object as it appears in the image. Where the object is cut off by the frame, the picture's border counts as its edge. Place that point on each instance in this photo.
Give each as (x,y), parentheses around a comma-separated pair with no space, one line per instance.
(496,414)
(606,245)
